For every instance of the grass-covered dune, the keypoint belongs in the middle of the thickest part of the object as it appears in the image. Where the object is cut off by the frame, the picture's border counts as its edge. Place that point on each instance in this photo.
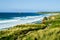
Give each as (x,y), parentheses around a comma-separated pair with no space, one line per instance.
(19,31)
(49,29)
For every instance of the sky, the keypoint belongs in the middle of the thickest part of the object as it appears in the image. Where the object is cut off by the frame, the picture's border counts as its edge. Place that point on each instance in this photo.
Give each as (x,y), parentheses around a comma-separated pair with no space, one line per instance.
(29,5)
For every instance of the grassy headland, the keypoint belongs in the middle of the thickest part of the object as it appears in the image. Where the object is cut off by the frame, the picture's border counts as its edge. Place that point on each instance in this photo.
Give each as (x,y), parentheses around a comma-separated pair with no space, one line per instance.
(48,12)
(49,29)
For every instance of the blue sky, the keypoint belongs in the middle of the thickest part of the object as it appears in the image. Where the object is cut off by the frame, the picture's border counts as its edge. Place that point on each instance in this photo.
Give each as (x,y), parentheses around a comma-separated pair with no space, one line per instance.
(29,5)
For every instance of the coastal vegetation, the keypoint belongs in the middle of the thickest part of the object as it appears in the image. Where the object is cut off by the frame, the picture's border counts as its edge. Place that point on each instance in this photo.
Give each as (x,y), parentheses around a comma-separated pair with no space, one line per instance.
(49,29)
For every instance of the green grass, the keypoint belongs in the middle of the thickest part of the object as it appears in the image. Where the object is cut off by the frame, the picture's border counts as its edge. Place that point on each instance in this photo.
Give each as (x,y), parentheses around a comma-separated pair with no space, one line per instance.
(49,34)
(19,31)
(50,30)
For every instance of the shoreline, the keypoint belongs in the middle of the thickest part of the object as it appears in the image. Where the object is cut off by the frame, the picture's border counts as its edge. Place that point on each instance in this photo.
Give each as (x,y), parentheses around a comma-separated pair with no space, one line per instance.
(32,22)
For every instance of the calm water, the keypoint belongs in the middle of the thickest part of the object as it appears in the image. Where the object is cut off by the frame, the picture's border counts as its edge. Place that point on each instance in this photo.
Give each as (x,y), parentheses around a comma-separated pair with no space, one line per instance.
(11,19)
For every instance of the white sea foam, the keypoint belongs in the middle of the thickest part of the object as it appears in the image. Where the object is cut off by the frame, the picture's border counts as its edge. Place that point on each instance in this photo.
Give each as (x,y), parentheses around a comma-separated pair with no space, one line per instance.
(5,21)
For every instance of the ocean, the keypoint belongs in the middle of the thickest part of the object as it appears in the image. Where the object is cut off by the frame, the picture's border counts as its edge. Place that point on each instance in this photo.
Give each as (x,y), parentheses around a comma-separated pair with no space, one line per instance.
(12,19)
